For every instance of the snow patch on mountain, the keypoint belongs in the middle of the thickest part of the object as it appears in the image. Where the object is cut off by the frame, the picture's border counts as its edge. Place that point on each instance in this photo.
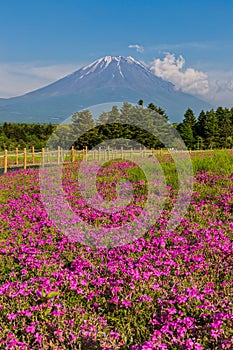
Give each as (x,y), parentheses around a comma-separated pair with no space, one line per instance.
(103,63)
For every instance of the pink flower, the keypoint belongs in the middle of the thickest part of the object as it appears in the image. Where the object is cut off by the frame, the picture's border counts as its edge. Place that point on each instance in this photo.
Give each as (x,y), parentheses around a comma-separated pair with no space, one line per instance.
(115,335)
(114,300)
(126,303)
(30,329)
(79,291)
(172,311)
(39,293)
(11,316)
(58,332)
(73,337)
(38,337)
(27,313)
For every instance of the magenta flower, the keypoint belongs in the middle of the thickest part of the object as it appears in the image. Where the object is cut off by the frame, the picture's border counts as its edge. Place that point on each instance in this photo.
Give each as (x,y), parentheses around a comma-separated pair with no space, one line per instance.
(30,329)
(126,303)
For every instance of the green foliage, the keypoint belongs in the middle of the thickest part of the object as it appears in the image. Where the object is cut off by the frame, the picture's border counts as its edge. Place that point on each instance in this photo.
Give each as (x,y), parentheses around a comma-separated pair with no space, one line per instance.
(140,102)
(14,135)
(117,124)
(52,295)
(186,133)
(210,130)
(189,118)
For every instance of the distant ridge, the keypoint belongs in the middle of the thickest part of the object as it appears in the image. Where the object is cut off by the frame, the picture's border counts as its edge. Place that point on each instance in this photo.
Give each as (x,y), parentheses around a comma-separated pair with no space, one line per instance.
(107,79)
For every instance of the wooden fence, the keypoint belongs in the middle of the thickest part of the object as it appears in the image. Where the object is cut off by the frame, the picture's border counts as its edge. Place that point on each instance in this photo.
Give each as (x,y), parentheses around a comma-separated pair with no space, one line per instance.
(29,158)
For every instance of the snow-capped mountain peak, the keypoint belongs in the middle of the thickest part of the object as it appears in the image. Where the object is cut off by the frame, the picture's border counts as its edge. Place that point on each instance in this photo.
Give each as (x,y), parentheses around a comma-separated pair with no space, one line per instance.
(114,61)
(110,78)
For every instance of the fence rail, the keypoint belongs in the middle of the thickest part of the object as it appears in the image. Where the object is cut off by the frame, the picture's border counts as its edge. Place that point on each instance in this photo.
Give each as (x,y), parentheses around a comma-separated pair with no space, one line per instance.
(27,158)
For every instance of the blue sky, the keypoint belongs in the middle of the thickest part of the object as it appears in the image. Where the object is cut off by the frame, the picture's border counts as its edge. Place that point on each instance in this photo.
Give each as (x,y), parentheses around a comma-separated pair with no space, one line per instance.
(187,42)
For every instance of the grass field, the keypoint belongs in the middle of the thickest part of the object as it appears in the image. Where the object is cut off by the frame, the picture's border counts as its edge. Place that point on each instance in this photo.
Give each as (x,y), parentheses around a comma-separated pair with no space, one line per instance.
(169,289)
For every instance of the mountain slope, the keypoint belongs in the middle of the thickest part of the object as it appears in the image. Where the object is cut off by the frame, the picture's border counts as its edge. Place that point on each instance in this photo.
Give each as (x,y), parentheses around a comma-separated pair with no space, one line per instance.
(107,79)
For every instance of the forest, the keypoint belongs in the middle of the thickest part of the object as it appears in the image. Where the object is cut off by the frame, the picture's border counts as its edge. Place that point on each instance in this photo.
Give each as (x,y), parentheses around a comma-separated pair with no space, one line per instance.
(211,129)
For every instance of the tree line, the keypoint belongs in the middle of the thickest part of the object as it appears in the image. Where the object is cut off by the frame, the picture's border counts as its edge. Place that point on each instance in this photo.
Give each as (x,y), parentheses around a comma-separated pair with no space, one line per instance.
(13,135)
(210,129)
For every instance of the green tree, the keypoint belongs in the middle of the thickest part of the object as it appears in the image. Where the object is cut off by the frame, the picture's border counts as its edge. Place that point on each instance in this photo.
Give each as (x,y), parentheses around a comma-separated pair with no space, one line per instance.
(140,102)
(84,132)
(103,118)
(211,130)
(199,128)
(126,110)
(114,115)
(186,134)
(187,128)
(225,128)
(83,121)
(190,119)
(157,109)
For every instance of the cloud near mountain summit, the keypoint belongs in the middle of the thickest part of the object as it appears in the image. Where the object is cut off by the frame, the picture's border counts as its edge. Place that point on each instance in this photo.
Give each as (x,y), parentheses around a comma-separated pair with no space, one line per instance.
(188,80)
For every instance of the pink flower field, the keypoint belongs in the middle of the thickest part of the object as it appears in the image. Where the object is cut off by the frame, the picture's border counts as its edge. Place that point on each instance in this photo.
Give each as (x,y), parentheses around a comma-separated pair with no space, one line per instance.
(165,290)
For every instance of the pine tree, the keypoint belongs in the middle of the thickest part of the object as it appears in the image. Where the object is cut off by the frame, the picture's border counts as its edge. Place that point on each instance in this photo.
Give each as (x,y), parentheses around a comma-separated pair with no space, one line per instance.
(199,128)
(190,119)
(186,134)
(225,128)
(103,118)
(157,109)
(114,115)
(125,110)
(140,102)
(211,130)
(187,128)
(82,123)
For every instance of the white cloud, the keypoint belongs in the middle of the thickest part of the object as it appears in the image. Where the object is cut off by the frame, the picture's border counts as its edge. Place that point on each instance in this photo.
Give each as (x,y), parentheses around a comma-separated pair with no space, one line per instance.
(19,78)
(188,80)
(137,47)
(220,88)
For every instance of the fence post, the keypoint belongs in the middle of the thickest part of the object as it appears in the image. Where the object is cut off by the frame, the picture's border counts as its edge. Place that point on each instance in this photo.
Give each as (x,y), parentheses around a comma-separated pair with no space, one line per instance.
(16,156)
(99,153)
(42,157)
(61,154)
(33,154)
(5,161)
(86,153)
(108,153)
(25,158)
(122,153)
(72,155)
(58,154)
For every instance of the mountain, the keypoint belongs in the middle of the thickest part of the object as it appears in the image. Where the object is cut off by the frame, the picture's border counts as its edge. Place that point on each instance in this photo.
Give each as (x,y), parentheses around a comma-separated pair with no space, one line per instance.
(108,79)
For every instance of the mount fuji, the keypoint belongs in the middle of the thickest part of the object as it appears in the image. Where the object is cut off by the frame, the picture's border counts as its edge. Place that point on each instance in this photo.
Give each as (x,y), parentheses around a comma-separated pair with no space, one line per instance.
(108,79)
